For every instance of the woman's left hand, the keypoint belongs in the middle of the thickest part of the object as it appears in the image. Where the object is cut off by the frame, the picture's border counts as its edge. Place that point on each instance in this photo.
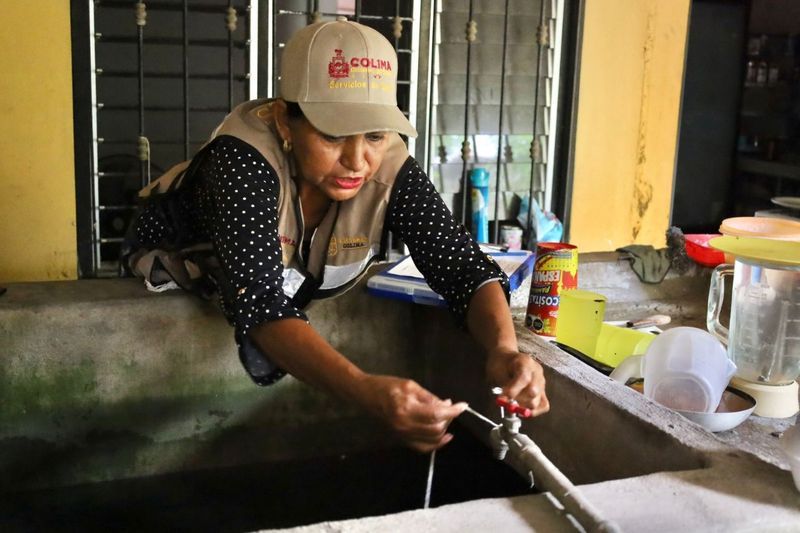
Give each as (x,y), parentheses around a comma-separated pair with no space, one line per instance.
(521,378)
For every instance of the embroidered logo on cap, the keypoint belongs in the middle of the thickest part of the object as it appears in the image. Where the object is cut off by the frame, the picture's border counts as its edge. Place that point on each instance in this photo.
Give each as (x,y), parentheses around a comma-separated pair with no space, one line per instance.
(338,67)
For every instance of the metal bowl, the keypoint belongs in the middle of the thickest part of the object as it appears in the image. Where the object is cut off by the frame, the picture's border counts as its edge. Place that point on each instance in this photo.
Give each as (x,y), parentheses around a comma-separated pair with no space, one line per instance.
(734,408)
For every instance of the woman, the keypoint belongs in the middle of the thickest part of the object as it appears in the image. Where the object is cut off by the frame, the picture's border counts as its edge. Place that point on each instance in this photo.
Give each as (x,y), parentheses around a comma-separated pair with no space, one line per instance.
(292,200)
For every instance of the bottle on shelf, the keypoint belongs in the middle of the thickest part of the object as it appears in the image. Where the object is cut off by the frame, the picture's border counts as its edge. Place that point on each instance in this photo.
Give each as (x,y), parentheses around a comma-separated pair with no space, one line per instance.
(753,46)
(750,74)
(773,75)
(761,73)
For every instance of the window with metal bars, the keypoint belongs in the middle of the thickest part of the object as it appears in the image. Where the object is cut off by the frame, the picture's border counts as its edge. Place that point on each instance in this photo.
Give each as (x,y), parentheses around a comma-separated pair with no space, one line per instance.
(488,57)
(160,75)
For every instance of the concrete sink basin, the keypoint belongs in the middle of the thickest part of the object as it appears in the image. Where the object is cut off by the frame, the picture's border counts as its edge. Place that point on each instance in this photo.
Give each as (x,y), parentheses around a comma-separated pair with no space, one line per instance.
(103,385)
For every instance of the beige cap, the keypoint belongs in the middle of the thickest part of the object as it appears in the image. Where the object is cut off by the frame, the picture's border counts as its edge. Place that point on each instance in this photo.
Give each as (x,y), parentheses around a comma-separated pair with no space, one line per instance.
(344,77)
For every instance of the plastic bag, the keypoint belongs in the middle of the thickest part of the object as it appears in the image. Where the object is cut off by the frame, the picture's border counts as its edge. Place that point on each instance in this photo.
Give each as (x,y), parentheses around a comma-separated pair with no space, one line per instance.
(546,227)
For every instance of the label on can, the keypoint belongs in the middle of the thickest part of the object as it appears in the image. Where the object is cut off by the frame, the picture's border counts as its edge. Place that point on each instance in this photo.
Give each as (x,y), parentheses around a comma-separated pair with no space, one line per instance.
(555,270)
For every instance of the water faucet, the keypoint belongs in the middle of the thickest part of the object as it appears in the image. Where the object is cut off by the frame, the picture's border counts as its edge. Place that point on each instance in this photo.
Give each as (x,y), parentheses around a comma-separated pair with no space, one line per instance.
(523,455)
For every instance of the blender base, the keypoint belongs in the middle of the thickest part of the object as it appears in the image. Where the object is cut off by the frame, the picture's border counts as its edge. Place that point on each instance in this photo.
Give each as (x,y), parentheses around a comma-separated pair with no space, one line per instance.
(772,401)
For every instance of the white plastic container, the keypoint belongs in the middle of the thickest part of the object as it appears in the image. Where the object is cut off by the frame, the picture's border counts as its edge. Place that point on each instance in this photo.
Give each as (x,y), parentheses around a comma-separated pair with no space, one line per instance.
(687,369)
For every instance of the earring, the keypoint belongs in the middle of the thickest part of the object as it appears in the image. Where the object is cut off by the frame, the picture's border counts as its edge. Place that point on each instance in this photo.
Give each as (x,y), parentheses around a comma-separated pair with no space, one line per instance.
(287,146)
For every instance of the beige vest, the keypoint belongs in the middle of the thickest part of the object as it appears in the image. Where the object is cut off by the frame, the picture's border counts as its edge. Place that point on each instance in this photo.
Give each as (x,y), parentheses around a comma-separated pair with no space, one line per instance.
(350,237)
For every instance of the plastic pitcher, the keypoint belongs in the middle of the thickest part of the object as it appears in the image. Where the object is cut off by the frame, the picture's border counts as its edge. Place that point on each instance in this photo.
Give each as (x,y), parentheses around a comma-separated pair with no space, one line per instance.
(684,368)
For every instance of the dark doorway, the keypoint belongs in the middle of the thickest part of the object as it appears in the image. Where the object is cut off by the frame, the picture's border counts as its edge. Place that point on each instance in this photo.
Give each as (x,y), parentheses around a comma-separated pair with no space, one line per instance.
(739,144)
(709,115)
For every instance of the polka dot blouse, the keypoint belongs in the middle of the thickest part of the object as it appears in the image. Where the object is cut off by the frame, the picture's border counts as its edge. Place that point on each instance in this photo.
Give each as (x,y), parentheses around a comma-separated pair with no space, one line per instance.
(232,202)
(443,251)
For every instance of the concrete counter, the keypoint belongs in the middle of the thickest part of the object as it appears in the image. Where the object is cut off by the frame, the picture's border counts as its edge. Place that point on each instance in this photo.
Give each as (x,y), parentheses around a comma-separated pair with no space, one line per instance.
(726,489)
(101,381)
(642,465)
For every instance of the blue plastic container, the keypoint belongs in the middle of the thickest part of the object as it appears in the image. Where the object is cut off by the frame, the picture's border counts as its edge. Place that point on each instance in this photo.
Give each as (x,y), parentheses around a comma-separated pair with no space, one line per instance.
(479,182)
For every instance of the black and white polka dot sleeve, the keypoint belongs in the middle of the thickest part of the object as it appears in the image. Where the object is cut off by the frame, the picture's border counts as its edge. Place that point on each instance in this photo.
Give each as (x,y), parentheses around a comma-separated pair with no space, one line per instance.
(445,253)
(239,205)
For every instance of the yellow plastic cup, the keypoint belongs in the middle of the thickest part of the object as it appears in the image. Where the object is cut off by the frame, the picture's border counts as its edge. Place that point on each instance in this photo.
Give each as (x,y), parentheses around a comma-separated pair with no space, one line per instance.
(580,315)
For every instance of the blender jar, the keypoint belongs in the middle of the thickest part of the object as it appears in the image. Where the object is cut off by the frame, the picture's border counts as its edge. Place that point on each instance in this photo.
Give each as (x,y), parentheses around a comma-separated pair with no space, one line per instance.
(764,336)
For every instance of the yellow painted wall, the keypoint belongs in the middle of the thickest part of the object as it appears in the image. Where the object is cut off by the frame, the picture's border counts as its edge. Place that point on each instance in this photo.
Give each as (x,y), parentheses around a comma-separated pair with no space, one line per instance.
(37,198)
(631,75)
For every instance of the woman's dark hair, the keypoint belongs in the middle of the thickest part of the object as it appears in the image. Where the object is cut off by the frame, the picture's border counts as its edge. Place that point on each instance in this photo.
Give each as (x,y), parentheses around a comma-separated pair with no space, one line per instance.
(293,110)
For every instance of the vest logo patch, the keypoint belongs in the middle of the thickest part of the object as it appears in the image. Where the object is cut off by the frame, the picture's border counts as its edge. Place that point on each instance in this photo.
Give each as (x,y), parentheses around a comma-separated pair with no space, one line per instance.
(346,243)
(287,241)
(349,243)
(288,246)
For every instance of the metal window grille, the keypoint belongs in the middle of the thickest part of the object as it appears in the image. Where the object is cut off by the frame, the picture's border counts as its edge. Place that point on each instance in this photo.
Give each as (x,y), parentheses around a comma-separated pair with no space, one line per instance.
(164,73)
(491,57)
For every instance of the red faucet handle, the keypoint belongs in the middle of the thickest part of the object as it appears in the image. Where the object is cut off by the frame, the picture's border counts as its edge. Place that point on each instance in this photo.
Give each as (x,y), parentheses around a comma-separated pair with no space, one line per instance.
(513,407)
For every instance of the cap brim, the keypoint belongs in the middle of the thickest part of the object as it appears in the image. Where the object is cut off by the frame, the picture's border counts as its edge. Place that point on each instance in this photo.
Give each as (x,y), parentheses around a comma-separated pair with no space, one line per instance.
(346,118)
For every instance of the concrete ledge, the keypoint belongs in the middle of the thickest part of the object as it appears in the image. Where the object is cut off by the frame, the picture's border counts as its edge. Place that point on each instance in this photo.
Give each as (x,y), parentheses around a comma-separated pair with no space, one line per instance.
(101,380)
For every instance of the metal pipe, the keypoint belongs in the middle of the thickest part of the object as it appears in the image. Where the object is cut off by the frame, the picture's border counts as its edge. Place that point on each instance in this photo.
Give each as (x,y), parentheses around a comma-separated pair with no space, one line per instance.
(143,148)
(432,93)
(161,6)
(116,174)
(390,237)
(336,14)
(251,15)
(465,146)
(214,109)
(116,207)
(314,15)
(496,236)
(524,456)
(230,20)
(127,141)
(95,194)
(169,41)
(268,49)
(398,23)
(417,27)
(185,79)
(540,42)
(274,20)
(106,73)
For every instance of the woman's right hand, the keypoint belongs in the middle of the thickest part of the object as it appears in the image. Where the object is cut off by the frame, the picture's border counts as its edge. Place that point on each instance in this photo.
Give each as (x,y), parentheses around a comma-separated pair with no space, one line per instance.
(415,414)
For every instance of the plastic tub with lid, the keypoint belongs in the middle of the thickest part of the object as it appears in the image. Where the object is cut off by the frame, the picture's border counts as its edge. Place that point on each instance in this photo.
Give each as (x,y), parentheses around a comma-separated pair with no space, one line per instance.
(701,252)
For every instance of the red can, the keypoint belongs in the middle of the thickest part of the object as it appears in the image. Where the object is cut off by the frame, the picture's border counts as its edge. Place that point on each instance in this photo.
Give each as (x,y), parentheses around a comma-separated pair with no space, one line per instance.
(555,270)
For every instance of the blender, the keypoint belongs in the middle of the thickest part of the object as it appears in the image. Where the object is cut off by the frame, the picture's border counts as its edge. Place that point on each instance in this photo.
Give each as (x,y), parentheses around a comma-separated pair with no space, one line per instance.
(764,335)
